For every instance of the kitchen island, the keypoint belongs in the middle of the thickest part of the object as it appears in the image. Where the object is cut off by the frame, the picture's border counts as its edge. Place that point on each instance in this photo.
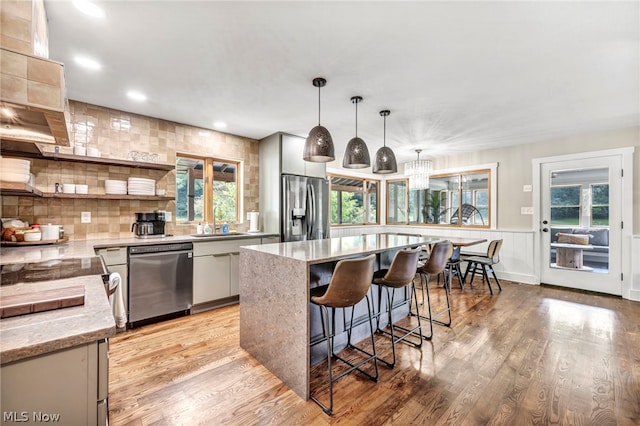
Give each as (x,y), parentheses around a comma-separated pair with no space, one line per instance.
(275,319)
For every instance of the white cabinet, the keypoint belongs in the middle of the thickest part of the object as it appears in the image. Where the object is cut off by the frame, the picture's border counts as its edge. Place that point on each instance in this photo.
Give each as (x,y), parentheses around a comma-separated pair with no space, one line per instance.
(215,270)
(211,278)
(292,149)
(115,259)
(70,385)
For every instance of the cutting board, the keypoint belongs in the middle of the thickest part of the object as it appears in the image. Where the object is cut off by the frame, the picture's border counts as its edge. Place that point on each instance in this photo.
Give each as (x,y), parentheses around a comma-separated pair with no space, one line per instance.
(45,300)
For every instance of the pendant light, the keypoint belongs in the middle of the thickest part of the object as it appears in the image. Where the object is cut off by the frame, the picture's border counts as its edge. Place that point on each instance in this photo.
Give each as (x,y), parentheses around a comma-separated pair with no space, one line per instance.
(418,172)
(356,156)
(318,148)
(385,158)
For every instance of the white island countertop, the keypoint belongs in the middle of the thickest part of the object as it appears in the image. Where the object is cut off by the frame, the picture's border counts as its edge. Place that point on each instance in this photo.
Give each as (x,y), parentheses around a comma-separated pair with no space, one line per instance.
(320,251)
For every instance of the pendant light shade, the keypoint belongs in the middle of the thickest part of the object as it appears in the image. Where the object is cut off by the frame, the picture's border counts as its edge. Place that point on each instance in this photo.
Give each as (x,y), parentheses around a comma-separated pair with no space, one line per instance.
(356,156)
(418,172)
(385,161)
(318,148)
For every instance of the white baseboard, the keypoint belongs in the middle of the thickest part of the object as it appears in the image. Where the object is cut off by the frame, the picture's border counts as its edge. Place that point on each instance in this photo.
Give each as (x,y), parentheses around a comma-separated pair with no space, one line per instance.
(519,278)
(634,295)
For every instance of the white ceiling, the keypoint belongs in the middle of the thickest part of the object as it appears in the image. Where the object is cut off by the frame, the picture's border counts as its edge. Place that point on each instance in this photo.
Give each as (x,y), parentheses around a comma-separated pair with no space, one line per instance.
(457,77)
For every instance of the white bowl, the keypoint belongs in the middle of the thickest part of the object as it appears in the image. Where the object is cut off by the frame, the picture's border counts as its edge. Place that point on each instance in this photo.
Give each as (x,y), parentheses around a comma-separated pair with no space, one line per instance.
(82,189)
(80,150)
(32,236)
(93,152)
(69,188)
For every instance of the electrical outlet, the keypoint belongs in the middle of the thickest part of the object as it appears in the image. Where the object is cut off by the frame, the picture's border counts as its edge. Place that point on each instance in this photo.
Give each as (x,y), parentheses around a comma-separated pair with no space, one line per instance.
(85,217)
(526,210)
(167,216)
(527,188)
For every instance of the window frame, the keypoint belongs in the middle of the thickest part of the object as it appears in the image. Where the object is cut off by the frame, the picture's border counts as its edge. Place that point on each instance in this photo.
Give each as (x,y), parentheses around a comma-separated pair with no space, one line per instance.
(366,213)
(591,185)
(580,205)
(490,222)
(207,182)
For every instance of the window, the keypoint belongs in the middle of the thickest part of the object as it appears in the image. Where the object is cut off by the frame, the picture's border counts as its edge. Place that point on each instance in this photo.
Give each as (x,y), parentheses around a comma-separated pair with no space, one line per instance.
(565,205)
(600,205)
(205,186)
(453,199)
(397,201)
(354,201)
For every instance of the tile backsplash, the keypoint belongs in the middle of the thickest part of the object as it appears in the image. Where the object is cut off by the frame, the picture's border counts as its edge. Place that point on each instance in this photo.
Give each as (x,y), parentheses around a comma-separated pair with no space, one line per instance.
(117,134)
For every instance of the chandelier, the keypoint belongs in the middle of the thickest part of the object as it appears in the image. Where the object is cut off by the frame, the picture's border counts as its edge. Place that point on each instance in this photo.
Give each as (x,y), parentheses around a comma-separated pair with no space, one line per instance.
(418,172)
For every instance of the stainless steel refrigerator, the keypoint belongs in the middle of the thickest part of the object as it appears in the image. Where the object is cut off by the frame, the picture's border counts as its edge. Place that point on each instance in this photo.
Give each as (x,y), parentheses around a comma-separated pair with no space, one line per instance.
(305,208)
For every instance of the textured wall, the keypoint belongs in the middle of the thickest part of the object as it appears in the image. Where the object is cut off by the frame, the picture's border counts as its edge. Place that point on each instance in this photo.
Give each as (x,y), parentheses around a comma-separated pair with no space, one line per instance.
(116,134)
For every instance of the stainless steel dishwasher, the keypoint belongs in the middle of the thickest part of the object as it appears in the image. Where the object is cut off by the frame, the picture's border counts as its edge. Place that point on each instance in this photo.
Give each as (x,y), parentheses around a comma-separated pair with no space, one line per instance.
(160,282)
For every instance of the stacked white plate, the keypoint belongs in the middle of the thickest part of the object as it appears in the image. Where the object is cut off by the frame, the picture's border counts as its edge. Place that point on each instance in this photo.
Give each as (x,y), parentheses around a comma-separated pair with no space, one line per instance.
(118,187)
(141,186)
(14,170)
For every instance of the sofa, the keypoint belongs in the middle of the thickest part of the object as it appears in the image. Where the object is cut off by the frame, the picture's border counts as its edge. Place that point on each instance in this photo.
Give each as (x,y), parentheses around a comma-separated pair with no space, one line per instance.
(597,257)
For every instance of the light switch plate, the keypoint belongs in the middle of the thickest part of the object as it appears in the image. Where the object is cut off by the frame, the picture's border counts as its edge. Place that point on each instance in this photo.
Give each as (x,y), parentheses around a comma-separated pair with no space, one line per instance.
(167,216)
(85,217)
(526,210)
(527,188)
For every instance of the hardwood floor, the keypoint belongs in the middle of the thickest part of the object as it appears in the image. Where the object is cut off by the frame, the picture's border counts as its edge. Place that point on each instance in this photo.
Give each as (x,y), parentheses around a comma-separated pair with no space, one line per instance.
(528,355)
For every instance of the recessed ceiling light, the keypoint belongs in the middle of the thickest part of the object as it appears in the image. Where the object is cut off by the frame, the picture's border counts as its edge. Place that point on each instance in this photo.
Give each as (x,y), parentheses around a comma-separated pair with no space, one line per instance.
(136,96)
(89,8)
(219,124)
(87,63)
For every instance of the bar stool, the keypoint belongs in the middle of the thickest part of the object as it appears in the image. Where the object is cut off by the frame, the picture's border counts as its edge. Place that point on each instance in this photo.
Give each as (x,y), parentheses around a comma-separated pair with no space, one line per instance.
(349,284)
(436,265)
(400,274)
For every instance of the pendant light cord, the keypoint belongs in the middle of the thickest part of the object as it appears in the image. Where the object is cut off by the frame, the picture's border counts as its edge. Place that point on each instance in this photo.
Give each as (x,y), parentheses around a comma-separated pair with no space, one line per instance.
(356,118)
(384,139)
(318,105)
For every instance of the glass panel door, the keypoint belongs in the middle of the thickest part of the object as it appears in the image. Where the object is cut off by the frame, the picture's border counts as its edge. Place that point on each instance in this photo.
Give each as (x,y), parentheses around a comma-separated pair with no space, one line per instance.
(580,234)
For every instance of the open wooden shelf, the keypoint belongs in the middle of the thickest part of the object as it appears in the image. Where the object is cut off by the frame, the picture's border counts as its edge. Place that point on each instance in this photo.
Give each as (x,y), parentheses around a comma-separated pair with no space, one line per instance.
(32,150)
(17,188)
(108,196)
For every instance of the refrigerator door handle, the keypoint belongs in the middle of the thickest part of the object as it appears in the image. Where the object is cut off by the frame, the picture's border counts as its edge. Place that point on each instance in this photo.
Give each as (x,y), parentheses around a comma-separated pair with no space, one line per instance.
(311,211)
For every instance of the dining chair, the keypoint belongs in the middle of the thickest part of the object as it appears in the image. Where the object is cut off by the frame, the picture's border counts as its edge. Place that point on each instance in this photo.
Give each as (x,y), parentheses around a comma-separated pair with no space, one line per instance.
(484,264)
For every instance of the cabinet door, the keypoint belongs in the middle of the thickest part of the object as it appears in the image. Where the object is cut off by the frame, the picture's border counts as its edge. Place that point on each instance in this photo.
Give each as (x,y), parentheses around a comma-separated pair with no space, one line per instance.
(59,384)
(211,278)
(291,151)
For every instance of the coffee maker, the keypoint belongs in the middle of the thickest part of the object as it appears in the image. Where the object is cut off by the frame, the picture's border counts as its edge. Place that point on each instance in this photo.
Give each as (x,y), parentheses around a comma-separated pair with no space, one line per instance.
(149,225)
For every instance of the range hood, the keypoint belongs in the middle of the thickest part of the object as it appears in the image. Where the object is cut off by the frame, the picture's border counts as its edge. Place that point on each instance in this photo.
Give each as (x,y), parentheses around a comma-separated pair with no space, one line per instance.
(33,107)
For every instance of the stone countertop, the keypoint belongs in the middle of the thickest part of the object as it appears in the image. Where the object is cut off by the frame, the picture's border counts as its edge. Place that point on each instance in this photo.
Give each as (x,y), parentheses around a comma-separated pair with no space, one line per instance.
(35,334)
(43,332)
(320,251)
(86,248)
